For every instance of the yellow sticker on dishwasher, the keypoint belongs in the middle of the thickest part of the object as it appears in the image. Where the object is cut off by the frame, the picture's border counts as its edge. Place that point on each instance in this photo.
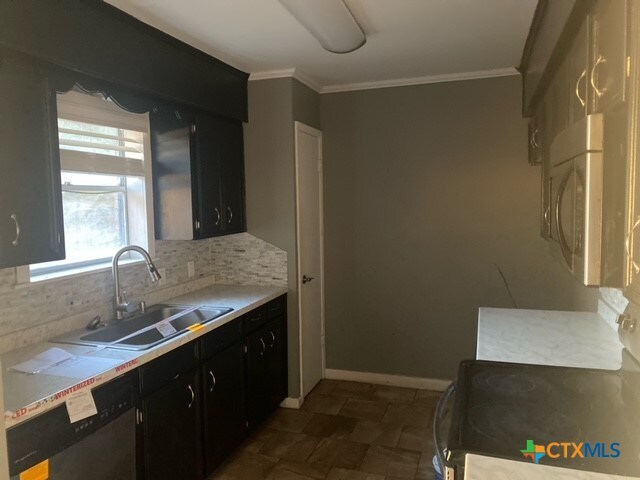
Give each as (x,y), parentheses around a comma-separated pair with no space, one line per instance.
(195,327)
(37,472)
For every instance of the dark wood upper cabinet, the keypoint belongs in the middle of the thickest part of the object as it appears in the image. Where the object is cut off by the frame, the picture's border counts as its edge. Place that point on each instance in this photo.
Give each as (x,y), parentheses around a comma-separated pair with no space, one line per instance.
(31,222)
(94,38)
(198,175)
(609,67)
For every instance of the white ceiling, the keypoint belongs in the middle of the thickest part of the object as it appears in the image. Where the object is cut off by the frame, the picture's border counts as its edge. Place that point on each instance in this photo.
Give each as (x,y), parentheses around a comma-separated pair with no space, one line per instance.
(408,41)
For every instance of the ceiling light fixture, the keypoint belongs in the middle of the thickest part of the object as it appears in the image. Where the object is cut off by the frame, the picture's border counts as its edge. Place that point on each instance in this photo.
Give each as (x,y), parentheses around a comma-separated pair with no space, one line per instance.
(330,21)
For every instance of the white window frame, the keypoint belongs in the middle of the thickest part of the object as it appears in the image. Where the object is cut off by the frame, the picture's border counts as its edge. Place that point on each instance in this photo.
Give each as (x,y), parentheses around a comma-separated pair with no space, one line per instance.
(87,108)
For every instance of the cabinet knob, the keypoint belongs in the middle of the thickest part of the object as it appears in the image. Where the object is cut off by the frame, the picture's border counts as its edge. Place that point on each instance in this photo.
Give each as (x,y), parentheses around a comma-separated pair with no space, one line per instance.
(273,339)
(230,217)
(306,279)
(14,217)
(217,212)
(264,347)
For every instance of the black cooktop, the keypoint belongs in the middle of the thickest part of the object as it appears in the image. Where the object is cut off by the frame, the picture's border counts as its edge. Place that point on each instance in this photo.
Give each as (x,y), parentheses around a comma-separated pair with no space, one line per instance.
(501,409)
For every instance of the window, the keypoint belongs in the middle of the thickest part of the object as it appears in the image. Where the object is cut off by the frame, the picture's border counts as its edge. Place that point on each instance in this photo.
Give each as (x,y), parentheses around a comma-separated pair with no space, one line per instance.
(105,183)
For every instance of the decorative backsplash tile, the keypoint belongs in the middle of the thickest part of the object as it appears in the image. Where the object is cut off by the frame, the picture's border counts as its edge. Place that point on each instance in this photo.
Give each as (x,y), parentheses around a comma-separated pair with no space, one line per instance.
(246,260)
(37,311)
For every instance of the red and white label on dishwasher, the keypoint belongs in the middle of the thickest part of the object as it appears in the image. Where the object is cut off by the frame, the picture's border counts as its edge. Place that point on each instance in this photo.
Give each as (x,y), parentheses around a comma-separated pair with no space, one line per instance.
(80,405)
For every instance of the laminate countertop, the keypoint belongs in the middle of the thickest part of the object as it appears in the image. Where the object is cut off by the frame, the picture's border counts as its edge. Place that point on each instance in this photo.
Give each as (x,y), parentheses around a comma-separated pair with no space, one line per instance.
(544,337)
(26,396)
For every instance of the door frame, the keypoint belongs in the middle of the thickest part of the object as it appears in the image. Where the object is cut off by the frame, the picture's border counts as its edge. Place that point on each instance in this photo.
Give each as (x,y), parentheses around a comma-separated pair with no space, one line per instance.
(300,127)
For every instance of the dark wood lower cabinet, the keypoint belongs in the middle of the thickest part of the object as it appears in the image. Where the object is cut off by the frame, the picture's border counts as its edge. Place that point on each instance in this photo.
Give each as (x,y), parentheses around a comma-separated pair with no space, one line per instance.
(197,402)
(170,431)
(266,370)
(223,405)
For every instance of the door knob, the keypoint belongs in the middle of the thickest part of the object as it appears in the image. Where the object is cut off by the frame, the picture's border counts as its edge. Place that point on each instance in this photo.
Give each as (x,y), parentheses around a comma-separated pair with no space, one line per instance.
(306,279)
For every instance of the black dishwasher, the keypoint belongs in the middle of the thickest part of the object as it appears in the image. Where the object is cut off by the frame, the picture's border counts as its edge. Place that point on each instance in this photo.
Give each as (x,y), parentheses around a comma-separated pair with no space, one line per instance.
(101,447)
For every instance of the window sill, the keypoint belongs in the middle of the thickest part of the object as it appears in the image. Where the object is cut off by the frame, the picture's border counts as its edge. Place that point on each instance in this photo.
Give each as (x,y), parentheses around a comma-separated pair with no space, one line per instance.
(23,278)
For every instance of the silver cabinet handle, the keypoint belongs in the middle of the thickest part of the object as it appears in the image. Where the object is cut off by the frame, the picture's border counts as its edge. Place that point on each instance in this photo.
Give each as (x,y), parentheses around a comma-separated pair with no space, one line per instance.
(213,381)
(14,217)
(230,214)
(534,139)
(193,396)
(273,339)
(627,246)
(197,224)
(600,60)
(583,75)
(218,217)
(547,220)
(264,347)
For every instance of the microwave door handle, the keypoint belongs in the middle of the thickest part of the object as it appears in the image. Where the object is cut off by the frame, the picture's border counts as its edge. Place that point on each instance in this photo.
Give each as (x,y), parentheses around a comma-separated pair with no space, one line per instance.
(562,240)
(437,420)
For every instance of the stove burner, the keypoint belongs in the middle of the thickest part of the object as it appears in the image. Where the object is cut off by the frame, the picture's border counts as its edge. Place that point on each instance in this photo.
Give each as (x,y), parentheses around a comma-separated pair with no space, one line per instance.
(506,423)
(510,384)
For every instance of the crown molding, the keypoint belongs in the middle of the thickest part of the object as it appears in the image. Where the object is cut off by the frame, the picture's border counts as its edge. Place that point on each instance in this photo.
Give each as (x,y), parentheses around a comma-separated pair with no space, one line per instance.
(399,82)
(287,72)
(403,82)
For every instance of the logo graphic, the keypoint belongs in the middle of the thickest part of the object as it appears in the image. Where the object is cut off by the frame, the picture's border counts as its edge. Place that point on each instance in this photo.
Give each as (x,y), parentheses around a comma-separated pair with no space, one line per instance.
(534,452)
(571,450)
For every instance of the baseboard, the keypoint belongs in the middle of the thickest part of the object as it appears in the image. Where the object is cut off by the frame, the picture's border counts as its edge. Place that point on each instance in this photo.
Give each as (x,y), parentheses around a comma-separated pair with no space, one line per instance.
(434,384)
(291,402)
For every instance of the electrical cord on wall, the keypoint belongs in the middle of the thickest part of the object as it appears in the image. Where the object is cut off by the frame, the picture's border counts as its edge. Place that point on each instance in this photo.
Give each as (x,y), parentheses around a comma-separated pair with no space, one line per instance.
(506,284)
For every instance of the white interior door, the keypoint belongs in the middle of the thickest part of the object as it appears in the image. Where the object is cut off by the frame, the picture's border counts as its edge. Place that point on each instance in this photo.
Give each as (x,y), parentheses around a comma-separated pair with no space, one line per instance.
(310,254)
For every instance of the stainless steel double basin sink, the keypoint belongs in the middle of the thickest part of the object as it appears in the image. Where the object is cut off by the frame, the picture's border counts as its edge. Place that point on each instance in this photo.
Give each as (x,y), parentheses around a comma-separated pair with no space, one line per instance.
(145,330)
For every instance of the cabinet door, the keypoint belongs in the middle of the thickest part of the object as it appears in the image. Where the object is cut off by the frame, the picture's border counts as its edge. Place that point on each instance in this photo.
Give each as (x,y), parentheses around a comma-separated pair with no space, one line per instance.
(258,388)
(544,139)
(31,222)
(224,405)
(231,150)
(171,432)
(608,71)
(277,351)
(208,177)
(171,145)
(579,87)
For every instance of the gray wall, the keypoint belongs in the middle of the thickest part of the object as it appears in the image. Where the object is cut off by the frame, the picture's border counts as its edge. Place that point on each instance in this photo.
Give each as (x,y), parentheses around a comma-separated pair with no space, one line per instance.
(427,192)
(270,178)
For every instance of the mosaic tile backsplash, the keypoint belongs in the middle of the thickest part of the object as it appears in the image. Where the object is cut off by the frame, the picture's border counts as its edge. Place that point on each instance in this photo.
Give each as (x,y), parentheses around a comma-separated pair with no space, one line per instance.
(34,312)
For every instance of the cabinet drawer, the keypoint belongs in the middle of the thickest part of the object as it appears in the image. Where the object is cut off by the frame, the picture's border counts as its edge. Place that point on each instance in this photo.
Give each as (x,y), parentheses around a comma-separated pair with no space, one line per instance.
(220,338)
(277,307)
(167,367)
(255,318)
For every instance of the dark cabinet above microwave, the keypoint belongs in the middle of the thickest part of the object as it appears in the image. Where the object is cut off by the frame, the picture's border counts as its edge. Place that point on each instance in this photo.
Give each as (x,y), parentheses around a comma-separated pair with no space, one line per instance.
(198,175)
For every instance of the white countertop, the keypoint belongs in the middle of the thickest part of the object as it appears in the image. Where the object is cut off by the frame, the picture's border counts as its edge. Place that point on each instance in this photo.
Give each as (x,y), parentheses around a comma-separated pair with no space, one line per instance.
(542,337)
(478,467)
(28,395)
(568,339)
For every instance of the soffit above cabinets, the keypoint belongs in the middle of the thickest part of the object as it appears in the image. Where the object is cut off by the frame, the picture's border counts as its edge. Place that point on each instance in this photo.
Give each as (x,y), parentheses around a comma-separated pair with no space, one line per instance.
(408,41)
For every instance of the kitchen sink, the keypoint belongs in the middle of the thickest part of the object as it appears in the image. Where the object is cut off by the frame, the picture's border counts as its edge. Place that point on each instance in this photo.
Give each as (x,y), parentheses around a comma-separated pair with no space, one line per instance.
(145,330)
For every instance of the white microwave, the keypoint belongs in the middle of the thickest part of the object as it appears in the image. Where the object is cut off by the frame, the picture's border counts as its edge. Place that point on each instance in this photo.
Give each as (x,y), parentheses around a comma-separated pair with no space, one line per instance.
(576,188)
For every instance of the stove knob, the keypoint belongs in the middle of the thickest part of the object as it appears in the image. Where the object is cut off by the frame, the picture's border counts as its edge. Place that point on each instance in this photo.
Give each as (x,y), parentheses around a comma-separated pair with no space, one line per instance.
(626,322)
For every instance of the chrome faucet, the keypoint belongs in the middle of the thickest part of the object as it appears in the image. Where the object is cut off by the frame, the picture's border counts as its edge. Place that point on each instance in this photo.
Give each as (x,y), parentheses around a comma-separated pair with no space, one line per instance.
(121,305)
